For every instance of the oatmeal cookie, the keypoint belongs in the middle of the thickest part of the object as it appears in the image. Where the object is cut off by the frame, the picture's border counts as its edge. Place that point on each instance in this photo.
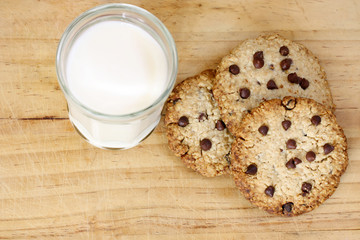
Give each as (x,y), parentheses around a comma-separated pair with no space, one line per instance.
(289,155)
(195,130)
(265,68)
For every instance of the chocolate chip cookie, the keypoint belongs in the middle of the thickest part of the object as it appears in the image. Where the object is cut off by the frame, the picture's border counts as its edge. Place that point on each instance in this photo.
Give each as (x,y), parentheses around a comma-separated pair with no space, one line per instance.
(265,68)
(289,155)
(195,130)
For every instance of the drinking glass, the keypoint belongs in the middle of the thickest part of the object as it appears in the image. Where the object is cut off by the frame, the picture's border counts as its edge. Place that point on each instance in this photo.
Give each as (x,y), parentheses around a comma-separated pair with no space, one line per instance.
(106,130)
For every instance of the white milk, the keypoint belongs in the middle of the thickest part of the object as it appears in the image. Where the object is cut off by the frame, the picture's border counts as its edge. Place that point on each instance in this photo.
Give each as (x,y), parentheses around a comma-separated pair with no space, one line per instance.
(115,68)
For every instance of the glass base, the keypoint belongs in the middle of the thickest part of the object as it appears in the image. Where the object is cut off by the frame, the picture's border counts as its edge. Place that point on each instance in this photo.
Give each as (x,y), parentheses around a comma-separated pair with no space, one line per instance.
(108,148)
(113,136)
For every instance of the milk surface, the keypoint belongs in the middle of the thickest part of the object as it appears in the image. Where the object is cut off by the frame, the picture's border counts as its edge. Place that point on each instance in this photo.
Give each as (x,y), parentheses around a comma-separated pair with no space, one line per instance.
(115,68)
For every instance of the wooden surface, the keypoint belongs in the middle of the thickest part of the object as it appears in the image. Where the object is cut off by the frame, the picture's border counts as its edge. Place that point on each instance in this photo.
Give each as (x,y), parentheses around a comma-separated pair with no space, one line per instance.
(54,185)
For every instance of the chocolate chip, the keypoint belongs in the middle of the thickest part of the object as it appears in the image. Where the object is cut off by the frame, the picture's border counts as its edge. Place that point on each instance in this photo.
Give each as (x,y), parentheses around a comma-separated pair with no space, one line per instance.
(258,59)
(211,92)
(251,169)
(296,160)
(227,158)
(304,84)
(306,187)
(289,103)
(285,64)
(290,164)
(220,125)
(270,191)
(263,130)
(293,78)
(293,162)
(328,148)
(271,85)
(234,69)
(175,100)
(287,207)
(310,156)
(315,120)
(183,121)
(291,144)
(271,67)
(284,51)
(259,54)
(202,117)
(286,124)
(205,144)
(244,93)
(258,63)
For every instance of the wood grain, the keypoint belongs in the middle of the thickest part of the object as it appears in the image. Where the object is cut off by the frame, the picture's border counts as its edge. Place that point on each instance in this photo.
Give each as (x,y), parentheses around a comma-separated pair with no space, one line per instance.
(54,185)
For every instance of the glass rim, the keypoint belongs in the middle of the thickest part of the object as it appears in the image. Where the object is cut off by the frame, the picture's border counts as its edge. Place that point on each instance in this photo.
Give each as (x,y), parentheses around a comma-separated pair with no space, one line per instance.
(121,6)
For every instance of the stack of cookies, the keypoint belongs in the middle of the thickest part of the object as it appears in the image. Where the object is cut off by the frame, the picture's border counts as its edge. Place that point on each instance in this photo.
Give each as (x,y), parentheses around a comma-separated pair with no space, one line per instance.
(265,116)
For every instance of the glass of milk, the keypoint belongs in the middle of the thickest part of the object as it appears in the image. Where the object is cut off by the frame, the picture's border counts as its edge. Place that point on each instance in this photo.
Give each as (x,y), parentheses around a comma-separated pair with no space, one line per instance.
(116,64)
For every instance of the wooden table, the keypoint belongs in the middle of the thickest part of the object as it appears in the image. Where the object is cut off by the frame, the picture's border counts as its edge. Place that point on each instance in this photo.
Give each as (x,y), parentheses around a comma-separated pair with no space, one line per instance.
(54,185)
